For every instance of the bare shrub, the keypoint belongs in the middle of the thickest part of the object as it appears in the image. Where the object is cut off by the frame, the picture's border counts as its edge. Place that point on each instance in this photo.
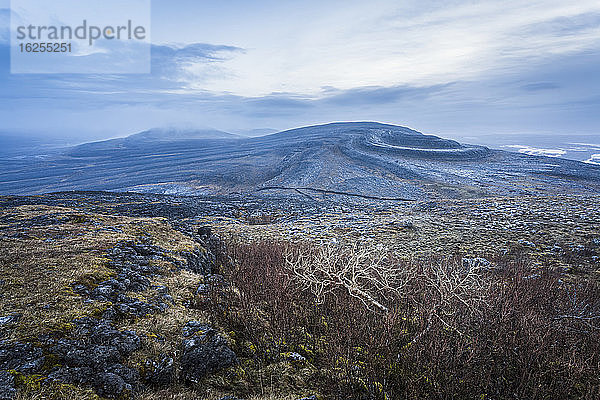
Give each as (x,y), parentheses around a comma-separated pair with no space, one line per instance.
(366,273)
(379,327)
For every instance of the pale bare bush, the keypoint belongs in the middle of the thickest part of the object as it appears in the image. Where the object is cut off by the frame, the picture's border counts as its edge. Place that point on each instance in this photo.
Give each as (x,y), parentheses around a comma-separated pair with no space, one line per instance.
(449,289)
(366,273)
(435,291)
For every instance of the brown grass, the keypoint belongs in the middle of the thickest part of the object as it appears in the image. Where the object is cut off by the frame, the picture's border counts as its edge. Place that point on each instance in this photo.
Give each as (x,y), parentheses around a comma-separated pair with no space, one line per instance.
(38,263)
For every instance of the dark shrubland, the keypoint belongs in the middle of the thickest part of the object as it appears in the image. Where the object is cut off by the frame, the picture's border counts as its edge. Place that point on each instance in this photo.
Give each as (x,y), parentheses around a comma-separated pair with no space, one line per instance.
(361,323)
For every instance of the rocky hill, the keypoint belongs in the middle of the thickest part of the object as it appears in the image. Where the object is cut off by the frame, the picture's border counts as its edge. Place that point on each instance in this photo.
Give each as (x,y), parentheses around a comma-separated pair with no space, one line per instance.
(361,158)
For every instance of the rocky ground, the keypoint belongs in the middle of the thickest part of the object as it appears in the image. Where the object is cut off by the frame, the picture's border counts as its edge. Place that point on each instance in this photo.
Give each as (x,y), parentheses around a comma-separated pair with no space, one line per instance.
(560,230)
(104,295)
(96,305)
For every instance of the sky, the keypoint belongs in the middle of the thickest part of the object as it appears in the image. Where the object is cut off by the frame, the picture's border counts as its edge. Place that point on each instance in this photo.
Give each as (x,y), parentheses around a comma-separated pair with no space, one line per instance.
(468,69)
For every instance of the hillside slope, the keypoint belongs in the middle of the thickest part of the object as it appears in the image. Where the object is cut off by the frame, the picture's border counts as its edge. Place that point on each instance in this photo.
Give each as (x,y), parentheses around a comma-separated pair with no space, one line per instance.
(366,158)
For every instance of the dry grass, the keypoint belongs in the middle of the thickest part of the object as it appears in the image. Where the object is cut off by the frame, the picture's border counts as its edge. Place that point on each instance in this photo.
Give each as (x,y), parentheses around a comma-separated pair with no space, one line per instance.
(55,391)
(163,330)
(39,260)
(184,393)
(44,250)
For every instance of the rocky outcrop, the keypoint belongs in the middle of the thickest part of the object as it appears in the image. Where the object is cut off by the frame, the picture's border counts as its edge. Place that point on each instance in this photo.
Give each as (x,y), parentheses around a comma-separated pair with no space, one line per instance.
(94,355)
(21,357)
(203,352)
(94,352)
(159,373)
(18,358)
(133,270)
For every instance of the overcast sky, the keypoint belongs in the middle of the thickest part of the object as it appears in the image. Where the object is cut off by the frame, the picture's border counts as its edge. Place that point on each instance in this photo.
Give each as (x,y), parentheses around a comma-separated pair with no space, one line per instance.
(443,67)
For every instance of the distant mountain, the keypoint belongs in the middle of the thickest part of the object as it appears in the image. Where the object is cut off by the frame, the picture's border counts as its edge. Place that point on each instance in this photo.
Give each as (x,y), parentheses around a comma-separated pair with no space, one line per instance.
(366,158)
(256,132)
(389,139)
(162,134)
(150,138)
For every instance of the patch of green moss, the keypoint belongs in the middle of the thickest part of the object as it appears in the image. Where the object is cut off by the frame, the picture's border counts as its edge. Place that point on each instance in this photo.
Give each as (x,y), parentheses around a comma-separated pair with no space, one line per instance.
(38,387)
(63,391)
(79,218)
(51,361)
(93,279)
(28,383)
(100,308)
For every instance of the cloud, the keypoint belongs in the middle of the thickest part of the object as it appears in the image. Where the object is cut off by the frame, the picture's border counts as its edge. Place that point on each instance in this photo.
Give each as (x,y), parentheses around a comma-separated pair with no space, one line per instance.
(536,87)
(281,101)
(170,73)
(192,65)
(565,26)
(194,51)
(374,95)
(452,66)
(5,25)
(408,44)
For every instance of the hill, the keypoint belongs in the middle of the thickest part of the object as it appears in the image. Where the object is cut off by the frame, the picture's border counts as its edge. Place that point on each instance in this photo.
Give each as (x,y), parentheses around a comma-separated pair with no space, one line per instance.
(364,158)
(149,138)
